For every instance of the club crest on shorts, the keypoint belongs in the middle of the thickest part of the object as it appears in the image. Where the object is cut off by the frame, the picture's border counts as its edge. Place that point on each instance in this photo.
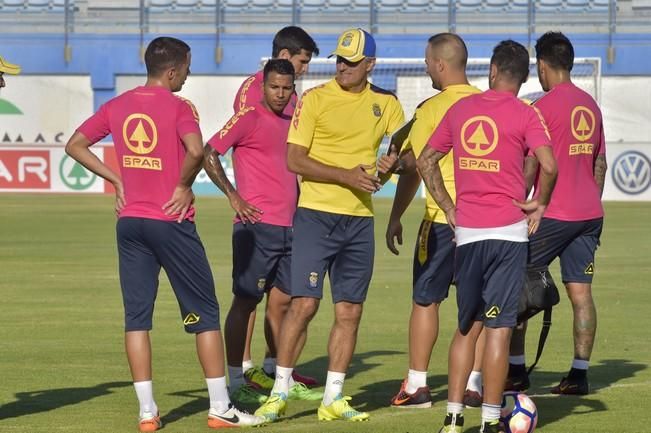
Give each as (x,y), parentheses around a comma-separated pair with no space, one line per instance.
(314,279)
(377,111)
(261,283)
(191,319)
(493,312)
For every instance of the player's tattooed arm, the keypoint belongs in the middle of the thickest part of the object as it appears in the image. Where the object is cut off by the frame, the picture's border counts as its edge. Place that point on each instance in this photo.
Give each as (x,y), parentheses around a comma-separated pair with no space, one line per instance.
(600,167)
(428,168)
(530,170)
(246,212)
(215,170)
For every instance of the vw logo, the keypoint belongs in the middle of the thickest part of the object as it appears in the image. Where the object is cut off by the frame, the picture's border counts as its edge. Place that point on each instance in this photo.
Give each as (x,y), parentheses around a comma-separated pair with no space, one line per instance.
(632,172)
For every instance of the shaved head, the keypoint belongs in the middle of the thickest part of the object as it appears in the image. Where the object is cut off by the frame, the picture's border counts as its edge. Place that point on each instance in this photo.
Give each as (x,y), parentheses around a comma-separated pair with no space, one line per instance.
(450,48)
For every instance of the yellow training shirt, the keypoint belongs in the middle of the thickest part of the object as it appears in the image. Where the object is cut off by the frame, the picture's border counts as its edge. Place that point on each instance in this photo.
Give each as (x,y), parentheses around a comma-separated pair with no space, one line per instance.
(428,116)
(342,129)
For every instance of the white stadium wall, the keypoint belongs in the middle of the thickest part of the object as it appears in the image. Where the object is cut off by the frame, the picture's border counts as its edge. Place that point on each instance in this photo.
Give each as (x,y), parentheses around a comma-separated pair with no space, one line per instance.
(39,113)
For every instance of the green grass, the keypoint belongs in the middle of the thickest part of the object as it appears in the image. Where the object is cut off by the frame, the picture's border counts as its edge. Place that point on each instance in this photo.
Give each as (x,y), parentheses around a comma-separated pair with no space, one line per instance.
(62,366)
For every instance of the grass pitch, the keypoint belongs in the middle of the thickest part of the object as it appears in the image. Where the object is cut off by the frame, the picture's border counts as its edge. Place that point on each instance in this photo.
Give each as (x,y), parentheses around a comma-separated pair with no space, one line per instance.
(63,368)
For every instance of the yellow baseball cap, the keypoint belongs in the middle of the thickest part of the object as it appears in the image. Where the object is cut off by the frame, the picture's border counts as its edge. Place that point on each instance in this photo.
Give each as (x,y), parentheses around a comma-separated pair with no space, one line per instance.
(354,45)
(8,68)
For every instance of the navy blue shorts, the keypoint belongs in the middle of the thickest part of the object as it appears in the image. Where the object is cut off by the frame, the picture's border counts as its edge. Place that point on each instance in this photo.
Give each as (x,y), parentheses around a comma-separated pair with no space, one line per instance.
(575,242)
(490,276)
(433,263)
(342,245)
(144,246)
(262,254)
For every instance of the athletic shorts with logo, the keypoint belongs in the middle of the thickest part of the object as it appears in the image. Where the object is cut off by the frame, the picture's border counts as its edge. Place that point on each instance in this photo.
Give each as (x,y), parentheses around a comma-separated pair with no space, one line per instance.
(490,275)
(433,263)
(262,254)
(575,242)
(144,246)
(341,245)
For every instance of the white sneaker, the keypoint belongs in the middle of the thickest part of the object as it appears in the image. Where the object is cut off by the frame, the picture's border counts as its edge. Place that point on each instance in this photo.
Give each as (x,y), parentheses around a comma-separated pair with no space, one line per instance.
(233,417)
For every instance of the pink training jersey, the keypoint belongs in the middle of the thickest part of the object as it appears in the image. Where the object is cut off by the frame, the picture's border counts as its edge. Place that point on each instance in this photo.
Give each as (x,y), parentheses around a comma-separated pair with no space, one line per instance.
(259,141)
(491,133)
(250,92)
(576,127)
(147,124)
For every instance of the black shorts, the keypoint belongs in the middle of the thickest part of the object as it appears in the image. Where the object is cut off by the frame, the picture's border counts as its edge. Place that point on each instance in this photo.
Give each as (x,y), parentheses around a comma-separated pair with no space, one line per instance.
(144,246)
(575,242)
(433,263)
(342,245)
(262,254)
(490,276)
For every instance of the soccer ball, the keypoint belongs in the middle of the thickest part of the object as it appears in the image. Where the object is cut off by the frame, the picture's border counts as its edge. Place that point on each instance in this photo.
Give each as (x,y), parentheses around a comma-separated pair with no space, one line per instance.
(519,414)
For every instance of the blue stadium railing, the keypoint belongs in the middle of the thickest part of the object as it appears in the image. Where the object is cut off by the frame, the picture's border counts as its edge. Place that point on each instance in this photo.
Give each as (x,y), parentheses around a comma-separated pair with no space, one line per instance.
(325,16)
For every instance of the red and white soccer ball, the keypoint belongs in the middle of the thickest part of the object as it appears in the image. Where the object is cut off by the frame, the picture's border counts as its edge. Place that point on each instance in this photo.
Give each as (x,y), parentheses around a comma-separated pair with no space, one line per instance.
(519,413)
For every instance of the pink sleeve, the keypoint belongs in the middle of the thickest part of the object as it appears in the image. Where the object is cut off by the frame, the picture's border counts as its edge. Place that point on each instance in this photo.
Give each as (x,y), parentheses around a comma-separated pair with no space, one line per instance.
(246,94)
(535,130)
(233,131)
(441,139)
(97,126)
(187,119)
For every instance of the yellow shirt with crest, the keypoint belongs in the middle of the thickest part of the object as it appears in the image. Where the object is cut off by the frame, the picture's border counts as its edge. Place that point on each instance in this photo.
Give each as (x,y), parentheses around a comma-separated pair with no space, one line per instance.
(342,129)
(428,116)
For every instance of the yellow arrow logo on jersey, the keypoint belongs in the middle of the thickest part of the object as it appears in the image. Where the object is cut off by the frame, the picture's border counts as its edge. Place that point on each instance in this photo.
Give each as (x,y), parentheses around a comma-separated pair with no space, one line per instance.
(479,135)
(138,139)
(583,123)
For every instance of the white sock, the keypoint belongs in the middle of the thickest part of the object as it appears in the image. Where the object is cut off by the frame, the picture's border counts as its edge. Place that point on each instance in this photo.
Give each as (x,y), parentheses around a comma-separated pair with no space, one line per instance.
(283,376)
(334,387)
(145,393)
(218,394)
(269,365)
(516,360)
(235,377)
(292,382)
(247,365)
(490,412)
(580,364)
(455,408)
(416,379)
(474,382)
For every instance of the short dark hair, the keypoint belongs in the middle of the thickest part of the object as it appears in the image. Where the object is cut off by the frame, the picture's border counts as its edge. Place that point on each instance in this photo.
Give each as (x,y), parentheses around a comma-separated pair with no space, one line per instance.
(556,50)
(511,59)
(163,53)
(279,66)
(460,57)
(293,39)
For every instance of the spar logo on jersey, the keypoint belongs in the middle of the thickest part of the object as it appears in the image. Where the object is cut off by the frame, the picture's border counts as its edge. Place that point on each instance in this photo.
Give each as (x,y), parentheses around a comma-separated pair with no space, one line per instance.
(140,135)
(479,138)
(583,125)
(631,172)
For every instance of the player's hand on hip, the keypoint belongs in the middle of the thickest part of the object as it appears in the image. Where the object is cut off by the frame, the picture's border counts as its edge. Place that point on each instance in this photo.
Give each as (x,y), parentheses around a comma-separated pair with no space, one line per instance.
(451,216)
(246,212)
(394,232)
(388,163)
(120,200)
(358,178)
(534,211)
(179,204)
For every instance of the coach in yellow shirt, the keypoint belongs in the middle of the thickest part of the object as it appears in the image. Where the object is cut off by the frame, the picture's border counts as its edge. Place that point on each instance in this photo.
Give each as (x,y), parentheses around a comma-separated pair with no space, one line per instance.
(333,143)
(446,56)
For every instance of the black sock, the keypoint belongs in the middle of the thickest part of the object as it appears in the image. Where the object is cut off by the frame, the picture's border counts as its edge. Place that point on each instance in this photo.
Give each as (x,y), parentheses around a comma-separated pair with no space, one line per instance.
(517,370)
(577,374)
